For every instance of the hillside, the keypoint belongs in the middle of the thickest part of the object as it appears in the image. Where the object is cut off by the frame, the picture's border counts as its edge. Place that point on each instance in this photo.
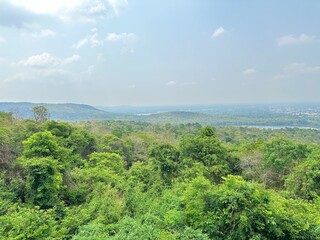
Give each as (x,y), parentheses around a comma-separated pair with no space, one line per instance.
(60,111)
(273,115)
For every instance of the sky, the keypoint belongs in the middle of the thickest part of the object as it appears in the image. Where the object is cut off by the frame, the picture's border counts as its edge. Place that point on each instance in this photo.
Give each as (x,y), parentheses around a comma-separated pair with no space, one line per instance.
(168,52)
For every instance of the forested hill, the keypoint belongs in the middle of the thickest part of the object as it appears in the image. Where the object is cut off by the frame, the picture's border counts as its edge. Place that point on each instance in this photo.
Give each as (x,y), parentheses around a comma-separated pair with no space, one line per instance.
(135,180)
(59,111)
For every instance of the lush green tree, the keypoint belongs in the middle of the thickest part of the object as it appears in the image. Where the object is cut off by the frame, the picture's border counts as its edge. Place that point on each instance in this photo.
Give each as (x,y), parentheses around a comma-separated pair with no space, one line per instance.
(29,223)
(43,181)
(6,191)
(129,228)
(104,204)
(43,159)
(106,168)
(112,144)
(112,161)
(304,181)
(189,233)
(93,231)
(207,150)
(165,159)
(59,129)
(42,145)
(81,142)
(280,156)
(237,209)
(141,172)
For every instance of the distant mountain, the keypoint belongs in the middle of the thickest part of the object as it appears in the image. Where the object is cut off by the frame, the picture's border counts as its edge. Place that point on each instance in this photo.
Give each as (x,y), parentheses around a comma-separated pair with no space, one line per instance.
(77,112)
(60,111)
(285,115)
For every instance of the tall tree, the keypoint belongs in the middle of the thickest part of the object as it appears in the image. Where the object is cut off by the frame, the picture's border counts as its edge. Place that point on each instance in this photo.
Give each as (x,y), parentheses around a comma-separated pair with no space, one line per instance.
(40,114)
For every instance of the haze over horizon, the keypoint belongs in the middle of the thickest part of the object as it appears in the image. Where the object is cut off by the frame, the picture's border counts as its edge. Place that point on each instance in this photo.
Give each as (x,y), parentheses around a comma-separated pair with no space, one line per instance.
(139,52)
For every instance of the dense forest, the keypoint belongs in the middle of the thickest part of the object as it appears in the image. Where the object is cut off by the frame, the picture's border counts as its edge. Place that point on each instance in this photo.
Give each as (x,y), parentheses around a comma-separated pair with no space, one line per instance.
(134,180)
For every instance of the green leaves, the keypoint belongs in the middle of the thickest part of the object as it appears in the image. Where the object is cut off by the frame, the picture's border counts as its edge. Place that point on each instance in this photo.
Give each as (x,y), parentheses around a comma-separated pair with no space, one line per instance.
(29,223)
(41,144)
(207,150)
(237,209)
(304,181)
(280,156)
(165,159)
(140,186)
(43,181)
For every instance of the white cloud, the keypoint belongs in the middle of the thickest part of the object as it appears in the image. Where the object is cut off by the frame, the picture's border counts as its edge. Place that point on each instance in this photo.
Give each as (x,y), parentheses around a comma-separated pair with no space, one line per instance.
(98,8)
(124,37)
(47,60)
(41,60)
(171,83)
(249,71)
(294,40)
(74,10)
(47,75)
(44,33)
(218,32)
(127,39)
(72,59)
(113,37)
(91,10)
(301,68)
(91,39)
(80,43)
(46,6)
(297,69)
(116,5)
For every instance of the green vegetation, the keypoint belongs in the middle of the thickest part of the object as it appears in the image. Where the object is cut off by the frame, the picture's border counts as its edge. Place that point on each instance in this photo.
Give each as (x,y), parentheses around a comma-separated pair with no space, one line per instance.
(131,180)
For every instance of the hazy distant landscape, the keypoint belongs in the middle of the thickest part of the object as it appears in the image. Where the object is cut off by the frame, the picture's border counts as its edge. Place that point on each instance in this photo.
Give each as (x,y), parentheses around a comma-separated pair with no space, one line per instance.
(260,115)
(159,120)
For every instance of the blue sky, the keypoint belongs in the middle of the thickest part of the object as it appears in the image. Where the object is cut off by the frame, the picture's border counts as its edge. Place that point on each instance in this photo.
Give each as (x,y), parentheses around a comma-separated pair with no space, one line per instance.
(139,52)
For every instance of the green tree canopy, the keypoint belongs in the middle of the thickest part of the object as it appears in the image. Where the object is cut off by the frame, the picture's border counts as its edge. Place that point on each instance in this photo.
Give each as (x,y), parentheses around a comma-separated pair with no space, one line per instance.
(304,181)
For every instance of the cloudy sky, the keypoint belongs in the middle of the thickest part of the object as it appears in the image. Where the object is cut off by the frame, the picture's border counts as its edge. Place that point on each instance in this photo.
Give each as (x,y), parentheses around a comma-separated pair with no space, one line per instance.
(142,52)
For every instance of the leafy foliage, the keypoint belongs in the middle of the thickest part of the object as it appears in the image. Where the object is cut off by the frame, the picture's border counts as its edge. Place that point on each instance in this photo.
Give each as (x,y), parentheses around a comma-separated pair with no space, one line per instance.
(126,180)
(304,181)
